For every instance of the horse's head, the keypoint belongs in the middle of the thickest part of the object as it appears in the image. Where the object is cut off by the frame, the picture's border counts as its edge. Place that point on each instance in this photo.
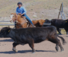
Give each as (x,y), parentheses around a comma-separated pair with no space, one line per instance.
(13,16)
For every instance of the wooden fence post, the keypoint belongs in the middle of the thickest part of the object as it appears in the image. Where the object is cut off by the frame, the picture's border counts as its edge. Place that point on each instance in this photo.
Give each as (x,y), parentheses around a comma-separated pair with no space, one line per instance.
(61,12)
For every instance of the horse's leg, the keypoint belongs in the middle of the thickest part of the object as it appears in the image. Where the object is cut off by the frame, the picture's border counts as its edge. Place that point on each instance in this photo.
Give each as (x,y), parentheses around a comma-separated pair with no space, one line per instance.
(59,31)
(15,24)
(57,42)
(14,46)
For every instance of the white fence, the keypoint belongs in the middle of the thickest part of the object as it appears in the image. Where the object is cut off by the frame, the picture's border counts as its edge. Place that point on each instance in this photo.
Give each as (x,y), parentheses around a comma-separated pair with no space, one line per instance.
(6,23)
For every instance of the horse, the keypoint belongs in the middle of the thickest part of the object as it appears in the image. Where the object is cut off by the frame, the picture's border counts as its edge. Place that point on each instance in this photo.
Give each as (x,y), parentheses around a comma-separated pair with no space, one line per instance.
(21,21)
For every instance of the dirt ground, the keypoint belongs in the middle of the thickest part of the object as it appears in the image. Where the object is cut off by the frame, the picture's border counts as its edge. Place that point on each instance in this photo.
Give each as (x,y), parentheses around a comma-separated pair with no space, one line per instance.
(44,49)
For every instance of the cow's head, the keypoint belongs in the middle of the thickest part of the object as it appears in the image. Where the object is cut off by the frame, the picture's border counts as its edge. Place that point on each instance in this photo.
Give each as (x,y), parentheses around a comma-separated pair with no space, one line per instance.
(5,32)
(66,26)
(47,21)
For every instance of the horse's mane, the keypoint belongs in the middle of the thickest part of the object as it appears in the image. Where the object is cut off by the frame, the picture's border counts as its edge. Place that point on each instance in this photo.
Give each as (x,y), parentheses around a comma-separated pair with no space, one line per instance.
(18,16)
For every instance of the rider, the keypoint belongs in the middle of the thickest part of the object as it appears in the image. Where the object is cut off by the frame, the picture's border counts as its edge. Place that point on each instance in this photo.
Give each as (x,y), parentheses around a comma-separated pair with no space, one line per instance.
(22,11)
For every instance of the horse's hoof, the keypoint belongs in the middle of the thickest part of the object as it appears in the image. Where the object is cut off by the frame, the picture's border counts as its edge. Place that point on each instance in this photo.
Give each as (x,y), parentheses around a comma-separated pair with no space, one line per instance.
(15,50)
(56,49)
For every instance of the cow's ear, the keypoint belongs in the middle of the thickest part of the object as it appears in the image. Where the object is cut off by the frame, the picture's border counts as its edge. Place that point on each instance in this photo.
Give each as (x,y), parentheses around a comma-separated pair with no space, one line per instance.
(66,21)
(8,30)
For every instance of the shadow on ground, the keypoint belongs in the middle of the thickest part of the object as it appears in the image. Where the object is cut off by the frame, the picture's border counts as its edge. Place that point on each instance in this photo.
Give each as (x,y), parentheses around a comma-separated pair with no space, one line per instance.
(6,40)
(26,51)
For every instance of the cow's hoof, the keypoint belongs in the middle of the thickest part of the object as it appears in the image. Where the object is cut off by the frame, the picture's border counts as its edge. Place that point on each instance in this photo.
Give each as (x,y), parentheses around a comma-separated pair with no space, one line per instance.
(60,34)
(64,42)
(56,48)
(33,52)
(62,49)
(67,33)
(15,50)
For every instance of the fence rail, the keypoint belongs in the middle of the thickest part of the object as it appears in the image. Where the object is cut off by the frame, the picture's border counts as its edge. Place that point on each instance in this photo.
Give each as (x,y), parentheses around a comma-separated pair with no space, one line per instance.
(6,23)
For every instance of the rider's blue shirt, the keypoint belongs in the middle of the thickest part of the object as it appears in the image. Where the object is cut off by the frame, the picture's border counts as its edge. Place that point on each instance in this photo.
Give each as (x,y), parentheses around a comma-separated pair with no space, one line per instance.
(20,10)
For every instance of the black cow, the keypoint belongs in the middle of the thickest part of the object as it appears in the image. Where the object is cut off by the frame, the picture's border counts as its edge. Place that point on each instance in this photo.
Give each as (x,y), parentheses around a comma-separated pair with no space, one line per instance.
(58,23)
(31,36)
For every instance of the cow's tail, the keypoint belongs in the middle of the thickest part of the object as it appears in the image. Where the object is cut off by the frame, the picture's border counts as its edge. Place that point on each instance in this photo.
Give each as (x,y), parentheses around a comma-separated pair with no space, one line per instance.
(63,40)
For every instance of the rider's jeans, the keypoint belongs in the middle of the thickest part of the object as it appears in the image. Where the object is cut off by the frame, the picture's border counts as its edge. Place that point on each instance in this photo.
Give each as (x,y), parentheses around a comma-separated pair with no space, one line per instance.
(28,18)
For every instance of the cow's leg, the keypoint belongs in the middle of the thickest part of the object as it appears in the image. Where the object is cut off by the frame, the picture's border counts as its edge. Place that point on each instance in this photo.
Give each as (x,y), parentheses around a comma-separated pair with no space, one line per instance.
(59,31)
(14,47)
(66,29)
(56,47)
(57,42)
(31,44)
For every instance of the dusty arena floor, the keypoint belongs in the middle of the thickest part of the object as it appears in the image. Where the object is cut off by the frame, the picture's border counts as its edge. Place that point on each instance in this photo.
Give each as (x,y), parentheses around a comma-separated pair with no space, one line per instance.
(44,49)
